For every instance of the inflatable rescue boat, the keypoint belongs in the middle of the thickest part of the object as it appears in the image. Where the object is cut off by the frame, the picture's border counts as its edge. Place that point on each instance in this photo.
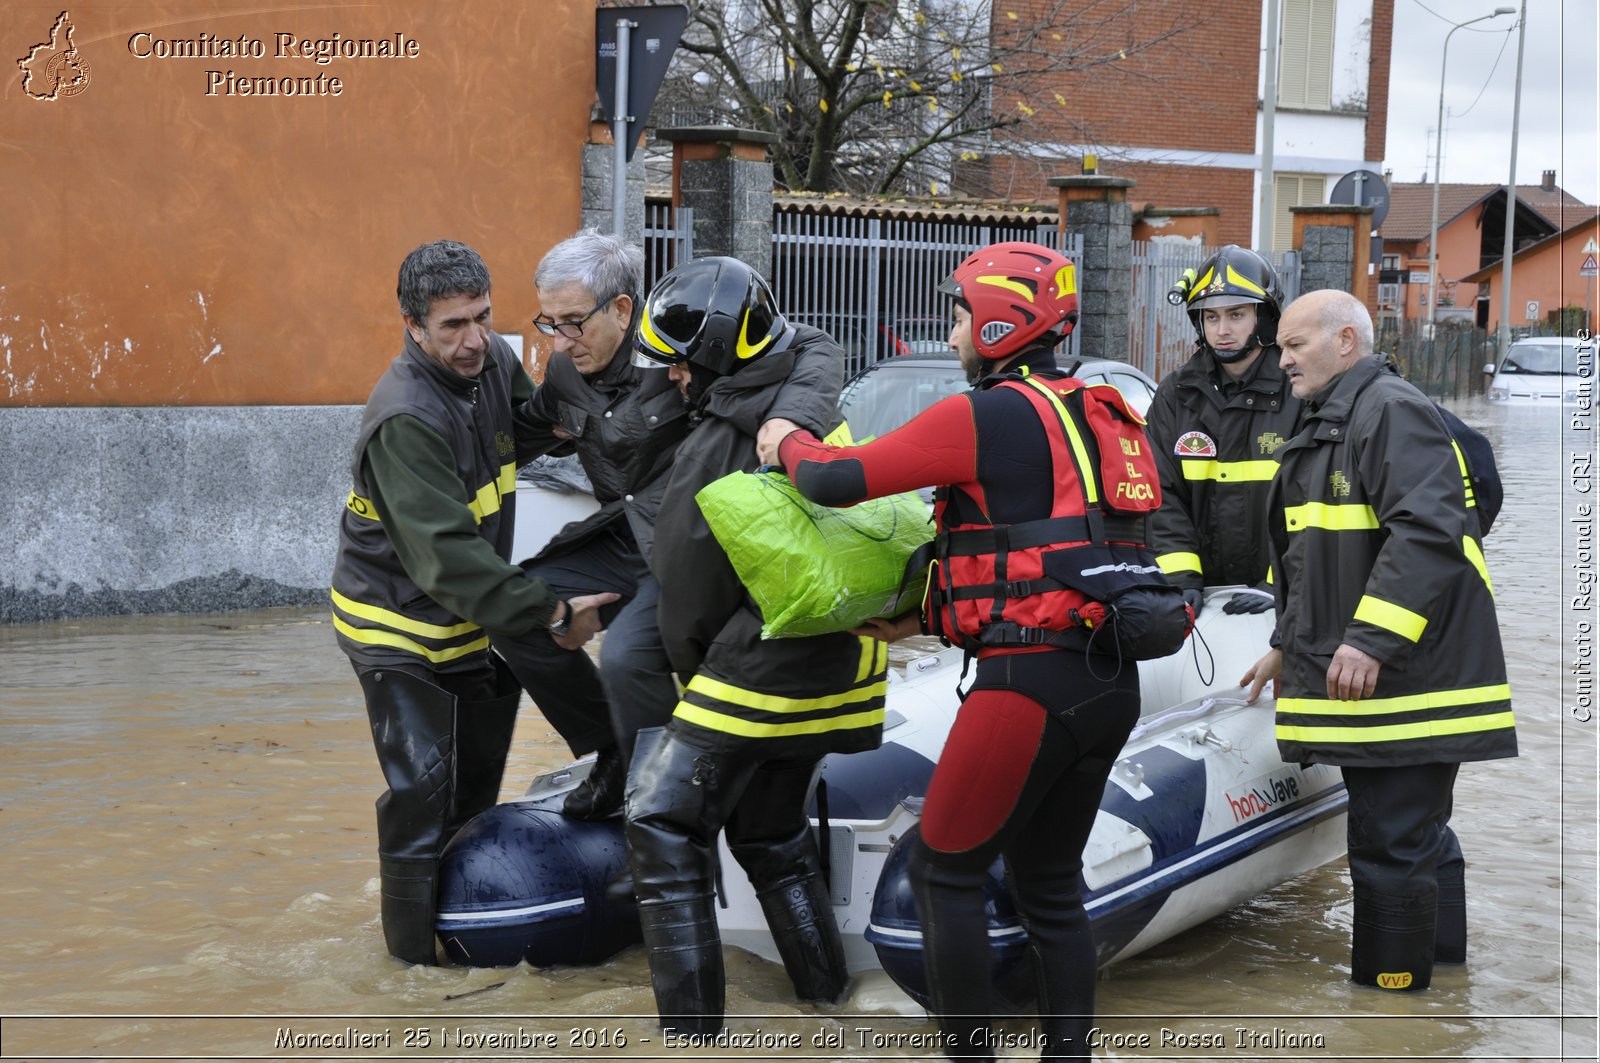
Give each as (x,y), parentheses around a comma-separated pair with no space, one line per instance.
(1199,814)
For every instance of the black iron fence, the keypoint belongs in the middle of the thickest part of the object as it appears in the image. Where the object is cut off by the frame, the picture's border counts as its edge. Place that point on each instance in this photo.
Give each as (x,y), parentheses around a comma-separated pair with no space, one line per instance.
(1447,366)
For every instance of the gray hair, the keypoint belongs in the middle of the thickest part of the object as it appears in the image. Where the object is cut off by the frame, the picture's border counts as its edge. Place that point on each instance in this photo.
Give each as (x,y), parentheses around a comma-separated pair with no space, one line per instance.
(1339,309)
(439,270)
(606,265)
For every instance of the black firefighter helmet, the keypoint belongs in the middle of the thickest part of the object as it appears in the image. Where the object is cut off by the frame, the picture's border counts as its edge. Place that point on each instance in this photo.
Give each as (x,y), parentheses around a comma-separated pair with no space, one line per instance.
(715,313)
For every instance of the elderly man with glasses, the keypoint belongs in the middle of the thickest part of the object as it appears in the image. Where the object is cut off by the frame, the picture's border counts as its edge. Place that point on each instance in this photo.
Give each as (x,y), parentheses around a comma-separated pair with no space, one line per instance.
(625,424)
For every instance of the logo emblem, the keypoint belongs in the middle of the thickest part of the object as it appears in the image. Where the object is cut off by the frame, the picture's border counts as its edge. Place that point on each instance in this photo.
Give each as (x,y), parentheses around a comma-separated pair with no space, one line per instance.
(1269,442)
(1340,484)
(1195,445)
(54,69)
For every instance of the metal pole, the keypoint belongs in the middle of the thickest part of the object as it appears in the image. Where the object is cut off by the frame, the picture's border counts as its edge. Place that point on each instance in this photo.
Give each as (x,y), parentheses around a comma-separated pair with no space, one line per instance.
(1508,247)
(619,134)
(1438,167)
(1269,110)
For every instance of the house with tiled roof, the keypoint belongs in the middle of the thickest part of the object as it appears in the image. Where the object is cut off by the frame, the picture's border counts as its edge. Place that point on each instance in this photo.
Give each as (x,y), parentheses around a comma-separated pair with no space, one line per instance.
(1560,272)
(1472,220)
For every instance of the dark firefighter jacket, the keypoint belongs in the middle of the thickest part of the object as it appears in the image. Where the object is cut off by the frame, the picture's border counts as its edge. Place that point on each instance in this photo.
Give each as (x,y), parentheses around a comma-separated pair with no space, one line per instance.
(1217,456)
(426,532)
(1374,544)
(626,423)
(820,694)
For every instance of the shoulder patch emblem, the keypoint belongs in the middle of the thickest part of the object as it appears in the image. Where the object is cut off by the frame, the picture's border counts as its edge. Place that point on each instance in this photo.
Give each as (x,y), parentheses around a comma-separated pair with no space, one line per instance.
(1195,445)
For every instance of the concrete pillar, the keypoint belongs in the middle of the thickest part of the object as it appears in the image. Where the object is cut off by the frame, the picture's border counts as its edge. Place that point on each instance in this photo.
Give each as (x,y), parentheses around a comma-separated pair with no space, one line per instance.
(1097,207)
(599,164)
(1335,249)
(723,175)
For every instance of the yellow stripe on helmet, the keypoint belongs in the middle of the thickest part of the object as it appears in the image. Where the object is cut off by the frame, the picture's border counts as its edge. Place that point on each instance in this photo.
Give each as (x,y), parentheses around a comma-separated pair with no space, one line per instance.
(1008,284)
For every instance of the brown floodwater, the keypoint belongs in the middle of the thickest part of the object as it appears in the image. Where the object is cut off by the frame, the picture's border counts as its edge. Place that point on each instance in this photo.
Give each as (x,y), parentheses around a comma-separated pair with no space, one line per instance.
(190,872)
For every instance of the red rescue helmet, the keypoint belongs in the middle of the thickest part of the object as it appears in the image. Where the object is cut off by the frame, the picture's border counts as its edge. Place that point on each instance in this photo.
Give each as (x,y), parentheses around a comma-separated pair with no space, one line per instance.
(1018,294)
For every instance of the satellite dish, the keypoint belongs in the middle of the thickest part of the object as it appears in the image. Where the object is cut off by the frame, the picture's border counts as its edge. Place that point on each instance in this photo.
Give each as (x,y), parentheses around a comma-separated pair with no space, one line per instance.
(1363,188)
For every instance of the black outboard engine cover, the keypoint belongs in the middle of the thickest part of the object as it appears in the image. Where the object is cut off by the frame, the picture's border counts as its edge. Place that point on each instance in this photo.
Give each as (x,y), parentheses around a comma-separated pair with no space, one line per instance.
(524,882)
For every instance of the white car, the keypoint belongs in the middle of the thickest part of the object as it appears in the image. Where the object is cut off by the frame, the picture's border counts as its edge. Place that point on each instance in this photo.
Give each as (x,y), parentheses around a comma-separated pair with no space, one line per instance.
(1543,369)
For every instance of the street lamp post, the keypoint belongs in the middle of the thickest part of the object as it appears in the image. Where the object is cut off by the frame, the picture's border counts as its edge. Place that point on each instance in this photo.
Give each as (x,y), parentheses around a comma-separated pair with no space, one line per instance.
(1438,165)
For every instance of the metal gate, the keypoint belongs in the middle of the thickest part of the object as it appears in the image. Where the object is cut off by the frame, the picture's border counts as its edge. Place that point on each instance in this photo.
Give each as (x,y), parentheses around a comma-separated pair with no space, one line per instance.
(871,283)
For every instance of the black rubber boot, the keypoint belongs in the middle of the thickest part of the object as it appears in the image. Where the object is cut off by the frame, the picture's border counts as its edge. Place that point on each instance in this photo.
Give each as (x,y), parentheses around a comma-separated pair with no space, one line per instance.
(685,948)
(1450,937)
(800,915)
(1392,940)
(955,952)
(413,731)
(407,904)
(600,795)
(482,740)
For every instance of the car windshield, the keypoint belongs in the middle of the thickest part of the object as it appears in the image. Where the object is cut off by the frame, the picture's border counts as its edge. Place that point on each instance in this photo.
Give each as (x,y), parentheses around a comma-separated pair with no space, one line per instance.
(892,392)
(889,393)
(1552,357)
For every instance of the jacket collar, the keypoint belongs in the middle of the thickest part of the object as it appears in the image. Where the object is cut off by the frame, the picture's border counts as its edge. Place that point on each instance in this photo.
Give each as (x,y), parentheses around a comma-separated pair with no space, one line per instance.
(1203,371)
(1031,361)
(1334,401)
(743,398)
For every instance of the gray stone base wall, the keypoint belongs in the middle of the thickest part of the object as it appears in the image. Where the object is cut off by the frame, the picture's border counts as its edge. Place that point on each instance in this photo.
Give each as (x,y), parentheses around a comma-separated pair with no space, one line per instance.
(169,509)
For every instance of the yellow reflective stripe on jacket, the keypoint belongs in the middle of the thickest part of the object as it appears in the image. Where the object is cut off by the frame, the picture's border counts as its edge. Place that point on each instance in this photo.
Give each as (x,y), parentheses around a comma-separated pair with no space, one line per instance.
(1496,721)
(1474,552)
(874,658)
(399,621)
(1331,517)
(1434,699)
(361,507)
(1239,471)
(1466,474)
(487,502)
(1391,617)
(739,698)
(1172,564)
(373,636)
(1080,453)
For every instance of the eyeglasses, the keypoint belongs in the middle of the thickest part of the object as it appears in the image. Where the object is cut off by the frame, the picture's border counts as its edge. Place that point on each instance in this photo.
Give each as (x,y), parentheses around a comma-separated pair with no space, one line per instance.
(570,329)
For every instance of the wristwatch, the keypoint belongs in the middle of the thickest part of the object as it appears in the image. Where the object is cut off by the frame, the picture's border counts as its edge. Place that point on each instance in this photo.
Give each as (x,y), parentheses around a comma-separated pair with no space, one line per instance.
(559,628)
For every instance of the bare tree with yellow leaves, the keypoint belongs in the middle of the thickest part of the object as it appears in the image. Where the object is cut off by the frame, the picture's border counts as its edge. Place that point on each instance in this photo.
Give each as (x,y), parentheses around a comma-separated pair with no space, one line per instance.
(904,96)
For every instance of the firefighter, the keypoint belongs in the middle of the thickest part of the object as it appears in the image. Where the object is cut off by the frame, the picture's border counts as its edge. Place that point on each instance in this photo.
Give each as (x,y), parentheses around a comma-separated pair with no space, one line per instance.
(1386,649)
(1216,423)
(742,748)
(1026,465)
(422,576)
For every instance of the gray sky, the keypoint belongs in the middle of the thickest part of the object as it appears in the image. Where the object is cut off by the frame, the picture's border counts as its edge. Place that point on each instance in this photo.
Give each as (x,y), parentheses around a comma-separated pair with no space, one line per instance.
(1560,88)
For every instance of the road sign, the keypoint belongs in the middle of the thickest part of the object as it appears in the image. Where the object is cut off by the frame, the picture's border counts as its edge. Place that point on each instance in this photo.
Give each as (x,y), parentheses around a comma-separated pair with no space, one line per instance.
(1591,248)
(1590,267)
(651,38)
(1533,310)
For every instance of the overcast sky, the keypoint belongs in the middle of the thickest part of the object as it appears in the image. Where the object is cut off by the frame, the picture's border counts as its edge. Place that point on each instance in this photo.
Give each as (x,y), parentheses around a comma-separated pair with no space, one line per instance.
(1559,120)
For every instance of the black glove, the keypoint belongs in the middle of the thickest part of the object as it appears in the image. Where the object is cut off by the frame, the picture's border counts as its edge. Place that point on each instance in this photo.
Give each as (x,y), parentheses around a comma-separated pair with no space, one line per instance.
(1257,599)
(1195,598)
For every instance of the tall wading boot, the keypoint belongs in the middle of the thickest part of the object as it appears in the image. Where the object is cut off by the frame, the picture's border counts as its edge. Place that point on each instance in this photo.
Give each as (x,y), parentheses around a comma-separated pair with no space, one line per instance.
(1450,939)
(413,730)
(800,915)
(955,952)
(1392,940)
(482,740)
(685,948)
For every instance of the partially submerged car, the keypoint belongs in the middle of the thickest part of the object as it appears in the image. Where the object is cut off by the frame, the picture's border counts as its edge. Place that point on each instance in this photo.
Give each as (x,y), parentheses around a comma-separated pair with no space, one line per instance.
(1543,369)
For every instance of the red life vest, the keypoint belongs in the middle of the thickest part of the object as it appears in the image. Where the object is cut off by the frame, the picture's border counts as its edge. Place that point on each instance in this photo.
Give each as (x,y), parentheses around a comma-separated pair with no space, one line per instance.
(1045,581)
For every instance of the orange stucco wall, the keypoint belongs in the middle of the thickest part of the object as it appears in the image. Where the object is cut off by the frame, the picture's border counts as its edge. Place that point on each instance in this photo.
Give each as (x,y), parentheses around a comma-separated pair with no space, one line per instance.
(1460,253)
(1550,276)
(165,243)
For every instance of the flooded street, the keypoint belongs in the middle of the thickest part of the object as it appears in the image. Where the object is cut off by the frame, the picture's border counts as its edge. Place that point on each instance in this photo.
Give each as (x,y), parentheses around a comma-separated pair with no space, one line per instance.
(186,812)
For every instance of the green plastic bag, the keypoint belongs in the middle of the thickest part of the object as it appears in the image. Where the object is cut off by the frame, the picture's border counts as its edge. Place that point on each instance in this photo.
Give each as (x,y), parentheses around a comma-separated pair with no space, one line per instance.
(814,569)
